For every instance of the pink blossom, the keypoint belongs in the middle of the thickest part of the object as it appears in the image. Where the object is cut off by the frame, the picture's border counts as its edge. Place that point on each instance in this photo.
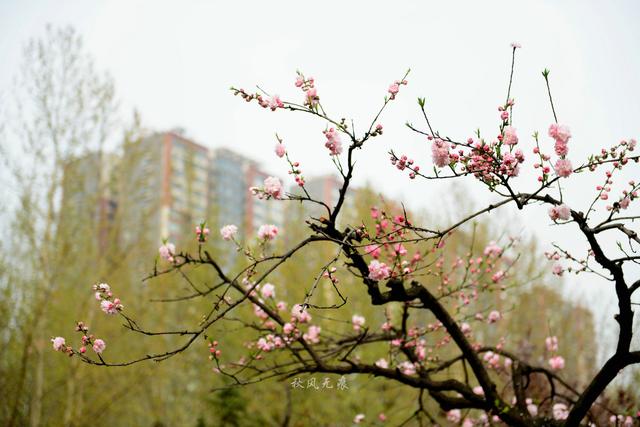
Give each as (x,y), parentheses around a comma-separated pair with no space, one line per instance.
(99,346)
(268,290)
(498,276)
(311,97)
(491,358)
(465,328)
(300,314)
(393,90)
(264,345)
(280,149)
(556,363)
(275,102)
(624,203)
(561,147)
(407,368)
(560,411)
(454,415)
(273,187)
(281,305)
(399,249)
(532,408)
(228,231)
(267,232)
(494,316)
(373,250)
(59,343)
(202,233)
(378,270)
(357,322)
(562,212)
(510,137)
(492,250)
(102,288)
(358,418)
(333,143)
(288,328)
(109,307)
(551,343)
(313,334)
(382,417)
(440,153)
(564,168)
(557,269)
(507,363)
(167,251)
(559,132)
(516,45)
(382,363)
(259,312)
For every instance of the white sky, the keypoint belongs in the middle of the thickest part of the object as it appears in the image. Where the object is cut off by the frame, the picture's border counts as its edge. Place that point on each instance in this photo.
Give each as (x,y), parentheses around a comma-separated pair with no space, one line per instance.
(175,61)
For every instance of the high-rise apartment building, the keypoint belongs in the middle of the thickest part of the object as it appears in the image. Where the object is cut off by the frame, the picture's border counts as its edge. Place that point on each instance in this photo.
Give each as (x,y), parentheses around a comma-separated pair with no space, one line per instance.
(176,183)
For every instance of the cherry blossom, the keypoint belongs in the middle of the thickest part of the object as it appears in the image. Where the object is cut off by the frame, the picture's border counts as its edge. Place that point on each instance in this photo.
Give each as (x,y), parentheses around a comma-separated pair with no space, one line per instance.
(268,291)
(167,251)
(440,153)
(267,232)
(510,137)
(313,334)
(59,343)
(228,231)
(99,345)
(556,363)
(378,270)
(560,411)
(563,168)
(357,321)
(333,143)
(494,316)
(273,187)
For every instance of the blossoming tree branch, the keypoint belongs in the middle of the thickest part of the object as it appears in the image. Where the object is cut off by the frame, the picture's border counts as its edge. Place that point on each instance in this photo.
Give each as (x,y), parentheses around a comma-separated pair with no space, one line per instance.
(391,269)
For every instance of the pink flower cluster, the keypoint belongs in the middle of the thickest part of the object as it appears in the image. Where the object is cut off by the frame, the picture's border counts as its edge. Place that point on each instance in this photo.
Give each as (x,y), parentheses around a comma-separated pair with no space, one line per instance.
(562,212)
(98,345)
(311,97)
(333,143)
(378,270)
(108,303)
(556,362)
(561,135)
(509,136)
(280,149)
(440,153)
(272,188)
(267,232)
(167,251)
(202,233)
(358,322)
(403,162)
(214,351)
(274,102)
(312,335)
(394,88)
(228,231)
